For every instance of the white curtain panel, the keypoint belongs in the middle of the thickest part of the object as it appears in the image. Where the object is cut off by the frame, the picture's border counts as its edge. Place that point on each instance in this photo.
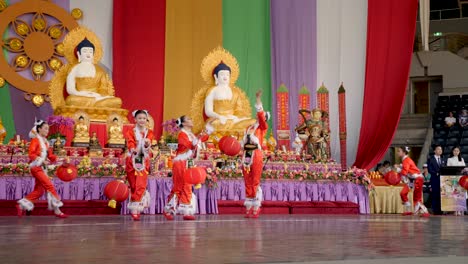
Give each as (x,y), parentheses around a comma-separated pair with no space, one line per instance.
(341,57)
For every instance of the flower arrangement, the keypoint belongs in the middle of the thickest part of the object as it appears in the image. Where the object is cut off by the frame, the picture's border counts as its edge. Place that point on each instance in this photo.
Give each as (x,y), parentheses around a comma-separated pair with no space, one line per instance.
(170,129)
(58,125)
(101,170)
(15,169)
(211,179)
(354,174)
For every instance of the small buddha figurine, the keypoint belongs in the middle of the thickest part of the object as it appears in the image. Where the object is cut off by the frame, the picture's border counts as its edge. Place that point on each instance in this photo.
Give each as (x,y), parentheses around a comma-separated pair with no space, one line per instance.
(81,137)
(297,144)
(58,147)
(88,85)
(271,143)
(94,142)
(3,132)
(115,134)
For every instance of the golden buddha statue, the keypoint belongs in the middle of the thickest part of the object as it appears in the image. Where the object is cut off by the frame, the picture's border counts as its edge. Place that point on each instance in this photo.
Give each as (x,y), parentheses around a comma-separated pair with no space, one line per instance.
(115,134)
(221,103)
(88,86)
(3,132)
(81,138)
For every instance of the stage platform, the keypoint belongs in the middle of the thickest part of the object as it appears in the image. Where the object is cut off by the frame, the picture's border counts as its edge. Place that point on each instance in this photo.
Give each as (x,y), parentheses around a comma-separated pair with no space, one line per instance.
(233,239)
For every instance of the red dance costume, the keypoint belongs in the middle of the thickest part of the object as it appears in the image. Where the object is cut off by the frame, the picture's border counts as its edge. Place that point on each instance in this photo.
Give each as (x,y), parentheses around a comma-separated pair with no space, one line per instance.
(137,167)
(408,171)
(181,199)
(39,152)
(253,166)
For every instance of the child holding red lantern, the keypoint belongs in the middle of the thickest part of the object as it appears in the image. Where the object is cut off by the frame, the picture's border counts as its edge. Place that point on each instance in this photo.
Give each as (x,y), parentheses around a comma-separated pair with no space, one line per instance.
(408,170)
(252,160)
(181,199)
(39,155)
(138,163)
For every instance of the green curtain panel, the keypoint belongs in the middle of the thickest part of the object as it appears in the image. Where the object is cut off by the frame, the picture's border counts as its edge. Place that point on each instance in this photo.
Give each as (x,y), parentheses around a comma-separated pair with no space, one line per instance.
(246,34)
(6,111)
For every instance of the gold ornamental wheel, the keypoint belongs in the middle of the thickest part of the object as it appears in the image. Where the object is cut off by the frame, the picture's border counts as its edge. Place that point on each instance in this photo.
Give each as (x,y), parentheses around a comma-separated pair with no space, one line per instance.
(34,48)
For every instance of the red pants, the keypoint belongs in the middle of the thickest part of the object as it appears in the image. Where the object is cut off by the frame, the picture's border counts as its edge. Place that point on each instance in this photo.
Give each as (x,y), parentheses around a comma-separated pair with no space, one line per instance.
(179,187)
(138,180)
(252,176)
(417,193)
(43,183)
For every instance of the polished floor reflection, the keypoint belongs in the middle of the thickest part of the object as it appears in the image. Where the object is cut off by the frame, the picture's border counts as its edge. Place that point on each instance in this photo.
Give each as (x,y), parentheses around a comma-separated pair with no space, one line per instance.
(232,239)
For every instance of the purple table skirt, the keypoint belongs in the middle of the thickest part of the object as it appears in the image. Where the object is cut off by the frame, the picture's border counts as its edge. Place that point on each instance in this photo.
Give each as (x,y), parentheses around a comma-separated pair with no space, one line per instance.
(16,187)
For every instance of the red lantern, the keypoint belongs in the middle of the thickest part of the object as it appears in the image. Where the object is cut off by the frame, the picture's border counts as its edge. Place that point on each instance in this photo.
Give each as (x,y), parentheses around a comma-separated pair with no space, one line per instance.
(229,146)
(195,175)
(67,172)
(116,191)
(392,178)
(463,181)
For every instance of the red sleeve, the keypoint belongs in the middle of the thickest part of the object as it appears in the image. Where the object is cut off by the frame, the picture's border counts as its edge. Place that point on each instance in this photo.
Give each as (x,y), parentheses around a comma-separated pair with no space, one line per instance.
(262,124)
(204,137)
(150,135)
(34,149)
(51,156)
(131,141)
(406,167)
(184,144)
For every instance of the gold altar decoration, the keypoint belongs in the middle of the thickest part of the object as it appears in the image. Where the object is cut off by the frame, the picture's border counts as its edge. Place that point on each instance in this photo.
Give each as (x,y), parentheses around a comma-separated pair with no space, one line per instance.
(115,131)
(215,57)
(58,82)
(34,43)
(81,129)
(77,13)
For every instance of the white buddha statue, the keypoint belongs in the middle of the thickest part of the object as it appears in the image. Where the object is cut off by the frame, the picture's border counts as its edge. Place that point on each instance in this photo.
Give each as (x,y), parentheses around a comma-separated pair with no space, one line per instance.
(223,106)
(87,83)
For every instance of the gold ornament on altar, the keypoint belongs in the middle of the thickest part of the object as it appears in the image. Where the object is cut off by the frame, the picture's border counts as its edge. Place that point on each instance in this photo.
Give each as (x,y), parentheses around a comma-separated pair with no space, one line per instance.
(115,132)
(77,13)
(87,84)
(3,5)
(37,28)
(81,129)
(220,101)
(271,143)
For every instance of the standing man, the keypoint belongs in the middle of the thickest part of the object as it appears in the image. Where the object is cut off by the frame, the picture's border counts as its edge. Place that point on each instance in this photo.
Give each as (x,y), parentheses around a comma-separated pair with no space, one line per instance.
(434,163)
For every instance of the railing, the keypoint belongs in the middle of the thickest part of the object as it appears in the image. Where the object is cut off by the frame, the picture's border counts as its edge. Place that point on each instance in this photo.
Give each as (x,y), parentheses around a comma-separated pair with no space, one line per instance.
(452,42)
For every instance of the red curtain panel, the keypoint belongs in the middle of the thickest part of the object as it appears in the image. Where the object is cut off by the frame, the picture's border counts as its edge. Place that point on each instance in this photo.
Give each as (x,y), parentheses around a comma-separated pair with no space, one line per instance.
(138,56)
(391,28)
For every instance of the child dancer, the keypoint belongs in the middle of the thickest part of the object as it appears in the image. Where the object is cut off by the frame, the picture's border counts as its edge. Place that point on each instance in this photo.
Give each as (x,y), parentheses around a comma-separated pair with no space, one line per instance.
(39,154)
(181,199)
(138,163)
(409,170)
(252,160)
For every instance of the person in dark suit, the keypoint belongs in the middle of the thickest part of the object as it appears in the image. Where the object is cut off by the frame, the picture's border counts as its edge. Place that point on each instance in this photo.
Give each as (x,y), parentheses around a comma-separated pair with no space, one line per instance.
(434,163)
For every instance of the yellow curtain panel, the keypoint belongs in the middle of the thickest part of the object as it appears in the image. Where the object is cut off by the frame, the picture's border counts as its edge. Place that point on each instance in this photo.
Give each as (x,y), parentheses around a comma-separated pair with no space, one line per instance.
(193,29)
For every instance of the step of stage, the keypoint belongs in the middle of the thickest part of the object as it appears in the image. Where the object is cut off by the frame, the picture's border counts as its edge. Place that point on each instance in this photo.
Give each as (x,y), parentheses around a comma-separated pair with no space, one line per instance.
(71,207)
(280,207)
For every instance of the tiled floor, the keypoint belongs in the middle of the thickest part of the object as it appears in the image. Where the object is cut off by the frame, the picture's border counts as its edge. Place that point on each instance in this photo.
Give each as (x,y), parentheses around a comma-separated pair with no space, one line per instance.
(232,239)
